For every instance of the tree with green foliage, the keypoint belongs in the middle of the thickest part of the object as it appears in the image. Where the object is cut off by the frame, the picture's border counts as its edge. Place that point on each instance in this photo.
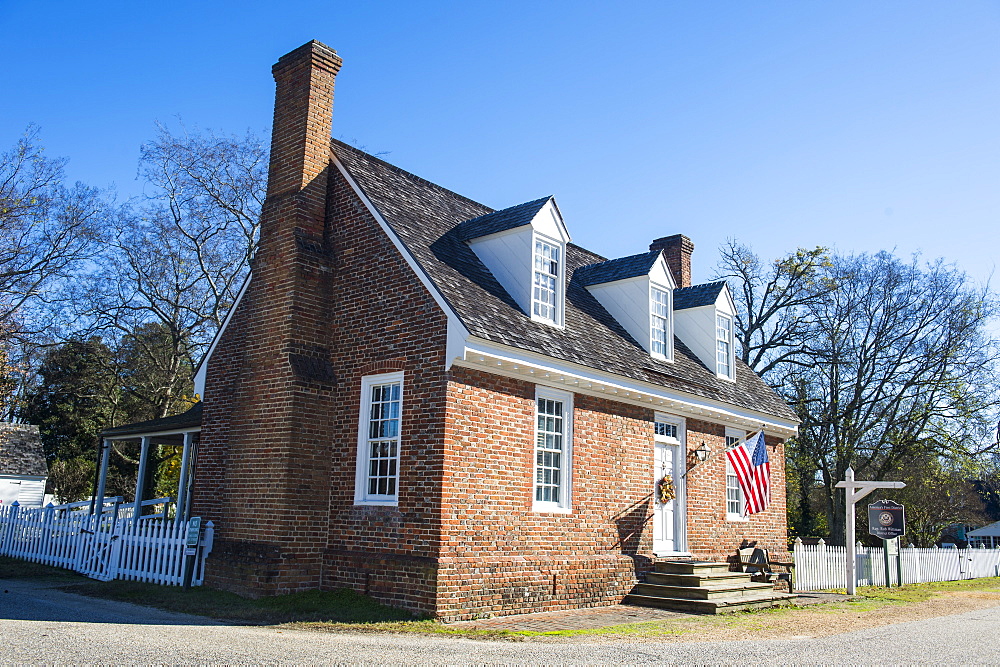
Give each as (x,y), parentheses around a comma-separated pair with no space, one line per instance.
(939,493)
(75,399)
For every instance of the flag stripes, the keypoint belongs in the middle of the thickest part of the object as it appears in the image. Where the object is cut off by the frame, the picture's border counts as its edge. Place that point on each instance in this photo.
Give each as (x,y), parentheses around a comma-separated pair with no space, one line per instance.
(753,470)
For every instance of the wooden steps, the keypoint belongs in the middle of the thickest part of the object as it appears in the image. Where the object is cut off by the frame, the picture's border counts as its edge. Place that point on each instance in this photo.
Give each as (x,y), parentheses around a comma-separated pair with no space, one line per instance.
(703,587)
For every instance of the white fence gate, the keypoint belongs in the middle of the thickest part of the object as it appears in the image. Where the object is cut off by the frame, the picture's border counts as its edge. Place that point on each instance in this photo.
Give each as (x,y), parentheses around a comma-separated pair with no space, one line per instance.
(821,566)
(105,546)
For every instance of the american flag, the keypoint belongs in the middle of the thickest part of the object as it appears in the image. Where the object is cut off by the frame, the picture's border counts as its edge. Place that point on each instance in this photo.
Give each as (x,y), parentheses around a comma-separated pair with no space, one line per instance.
(749,460)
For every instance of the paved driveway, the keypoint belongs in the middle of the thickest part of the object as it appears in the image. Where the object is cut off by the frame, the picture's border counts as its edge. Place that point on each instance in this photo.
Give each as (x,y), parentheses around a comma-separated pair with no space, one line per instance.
(45,625)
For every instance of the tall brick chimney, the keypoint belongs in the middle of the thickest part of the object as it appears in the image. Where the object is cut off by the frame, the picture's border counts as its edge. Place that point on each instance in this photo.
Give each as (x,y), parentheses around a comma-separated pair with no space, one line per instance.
(270,384)
(300,139)
(677,251)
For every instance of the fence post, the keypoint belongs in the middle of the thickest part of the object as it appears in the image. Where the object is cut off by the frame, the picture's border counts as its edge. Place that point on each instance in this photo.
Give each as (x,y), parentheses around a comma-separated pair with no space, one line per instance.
(7,546)
(207,540)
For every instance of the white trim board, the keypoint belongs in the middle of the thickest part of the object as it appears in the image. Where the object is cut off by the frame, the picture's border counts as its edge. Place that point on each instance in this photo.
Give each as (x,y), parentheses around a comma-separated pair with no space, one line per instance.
(512,362)
(202,371)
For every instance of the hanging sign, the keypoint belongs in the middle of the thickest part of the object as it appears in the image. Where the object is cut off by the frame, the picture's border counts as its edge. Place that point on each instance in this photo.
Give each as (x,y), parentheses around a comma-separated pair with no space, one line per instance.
(886,520)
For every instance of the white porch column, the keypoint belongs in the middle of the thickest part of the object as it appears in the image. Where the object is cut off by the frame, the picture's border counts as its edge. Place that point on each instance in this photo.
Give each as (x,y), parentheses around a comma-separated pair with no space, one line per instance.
(182,485)
(140,483)
(102,479)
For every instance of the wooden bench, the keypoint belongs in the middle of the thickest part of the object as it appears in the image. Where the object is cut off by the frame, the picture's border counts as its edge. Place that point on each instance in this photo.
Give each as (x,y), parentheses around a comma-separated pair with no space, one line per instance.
(756,562)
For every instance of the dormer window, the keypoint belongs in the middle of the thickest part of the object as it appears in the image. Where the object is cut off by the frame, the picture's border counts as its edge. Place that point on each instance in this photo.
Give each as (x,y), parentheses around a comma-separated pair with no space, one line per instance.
(724,345)
(659,322)
(545,289)
(524,247)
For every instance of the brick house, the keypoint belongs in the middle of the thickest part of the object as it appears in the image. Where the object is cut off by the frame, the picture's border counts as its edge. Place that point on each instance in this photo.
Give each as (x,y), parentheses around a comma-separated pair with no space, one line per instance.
(455,409)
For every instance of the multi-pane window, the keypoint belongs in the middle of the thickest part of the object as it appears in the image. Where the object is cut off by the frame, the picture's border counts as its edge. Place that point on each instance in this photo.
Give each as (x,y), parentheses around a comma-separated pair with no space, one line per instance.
(665,429)
(378,458)
(544,304)
(734,494)
(552,448)
(659,307)
(724,345)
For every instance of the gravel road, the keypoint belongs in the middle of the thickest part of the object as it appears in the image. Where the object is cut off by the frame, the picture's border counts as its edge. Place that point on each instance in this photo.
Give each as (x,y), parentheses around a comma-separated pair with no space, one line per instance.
(45,625)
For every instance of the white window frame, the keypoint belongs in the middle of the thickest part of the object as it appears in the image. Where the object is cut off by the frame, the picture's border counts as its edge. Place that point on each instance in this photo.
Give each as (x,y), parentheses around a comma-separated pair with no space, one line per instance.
(731,362)
(560,291)
(731,474)
(564,506)
(668,338)
(361,495)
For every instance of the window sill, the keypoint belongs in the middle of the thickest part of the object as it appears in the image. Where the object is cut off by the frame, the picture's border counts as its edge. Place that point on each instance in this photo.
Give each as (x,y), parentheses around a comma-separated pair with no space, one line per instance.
(737,517)
(378,503)
(549,508)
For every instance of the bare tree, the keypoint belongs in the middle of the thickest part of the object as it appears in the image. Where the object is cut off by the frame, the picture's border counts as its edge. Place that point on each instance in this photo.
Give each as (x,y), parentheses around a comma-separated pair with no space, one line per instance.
(48,232)
(179,256)
(773,324)
(900,366)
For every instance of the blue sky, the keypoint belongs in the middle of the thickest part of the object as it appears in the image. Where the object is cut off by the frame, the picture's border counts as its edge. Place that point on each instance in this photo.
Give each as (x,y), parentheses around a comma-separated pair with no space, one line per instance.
(863,126)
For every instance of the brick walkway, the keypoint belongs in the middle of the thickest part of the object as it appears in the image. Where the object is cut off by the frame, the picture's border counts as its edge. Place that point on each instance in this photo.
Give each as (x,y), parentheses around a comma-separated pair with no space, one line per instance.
(601,617)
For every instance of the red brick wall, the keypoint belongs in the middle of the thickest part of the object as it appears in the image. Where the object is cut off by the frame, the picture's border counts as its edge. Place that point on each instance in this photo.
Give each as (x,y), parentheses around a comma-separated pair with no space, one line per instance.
(710,535)
(498,556)
(331,300)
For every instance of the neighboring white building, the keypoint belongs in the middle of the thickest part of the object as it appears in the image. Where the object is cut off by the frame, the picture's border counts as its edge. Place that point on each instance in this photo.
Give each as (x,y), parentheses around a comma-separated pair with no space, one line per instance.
(22,465)
(987,536)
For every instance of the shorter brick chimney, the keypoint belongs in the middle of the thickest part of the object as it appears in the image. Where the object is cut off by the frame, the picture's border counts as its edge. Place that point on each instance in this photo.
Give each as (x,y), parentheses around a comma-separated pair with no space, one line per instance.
(677,251)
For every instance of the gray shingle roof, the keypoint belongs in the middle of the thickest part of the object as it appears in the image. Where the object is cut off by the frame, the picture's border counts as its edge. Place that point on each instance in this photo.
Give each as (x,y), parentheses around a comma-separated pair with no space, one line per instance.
(697,295)
(501,221)
(21,452)
(426,217)
(617,269)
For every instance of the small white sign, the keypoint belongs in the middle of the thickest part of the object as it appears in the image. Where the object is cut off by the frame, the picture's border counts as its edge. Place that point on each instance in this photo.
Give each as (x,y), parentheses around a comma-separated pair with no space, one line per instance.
(190,551)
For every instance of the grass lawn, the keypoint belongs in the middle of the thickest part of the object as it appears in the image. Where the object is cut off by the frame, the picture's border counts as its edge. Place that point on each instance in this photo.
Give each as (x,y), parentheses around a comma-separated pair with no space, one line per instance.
(345,610)
(14,568)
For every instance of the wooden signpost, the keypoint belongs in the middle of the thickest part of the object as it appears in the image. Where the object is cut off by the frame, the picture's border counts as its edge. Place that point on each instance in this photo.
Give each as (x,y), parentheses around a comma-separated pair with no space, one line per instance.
(887,519)
(855,491)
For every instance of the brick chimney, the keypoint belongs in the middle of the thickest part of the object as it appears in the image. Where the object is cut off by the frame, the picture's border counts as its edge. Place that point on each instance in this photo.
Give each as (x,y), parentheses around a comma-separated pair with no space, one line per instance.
(677,251)
(278,344)
(300,138)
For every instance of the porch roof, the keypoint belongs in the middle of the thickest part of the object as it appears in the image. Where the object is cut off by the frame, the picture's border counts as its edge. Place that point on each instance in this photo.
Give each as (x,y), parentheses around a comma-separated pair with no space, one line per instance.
(186,421)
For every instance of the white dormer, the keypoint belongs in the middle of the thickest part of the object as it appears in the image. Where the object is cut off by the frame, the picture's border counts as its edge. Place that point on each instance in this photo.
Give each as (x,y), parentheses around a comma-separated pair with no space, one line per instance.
(524,247)
(706,321)
(638,292)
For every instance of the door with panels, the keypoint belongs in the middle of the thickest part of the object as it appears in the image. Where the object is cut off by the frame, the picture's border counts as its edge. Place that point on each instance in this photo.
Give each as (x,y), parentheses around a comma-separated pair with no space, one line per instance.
(669,506)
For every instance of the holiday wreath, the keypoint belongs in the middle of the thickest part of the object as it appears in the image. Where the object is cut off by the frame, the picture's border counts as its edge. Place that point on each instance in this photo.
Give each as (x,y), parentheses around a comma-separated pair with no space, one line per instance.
(665,489)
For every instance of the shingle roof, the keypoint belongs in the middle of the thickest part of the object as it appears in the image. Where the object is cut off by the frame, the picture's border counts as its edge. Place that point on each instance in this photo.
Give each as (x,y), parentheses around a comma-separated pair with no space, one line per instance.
(190,418)
(617,269)
(501,221)
(21,451)
(426,217)
(697,295)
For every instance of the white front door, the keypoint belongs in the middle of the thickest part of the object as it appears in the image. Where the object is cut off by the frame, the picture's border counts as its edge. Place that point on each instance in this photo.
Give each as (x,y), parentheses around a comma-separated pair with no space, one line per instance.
(669,517)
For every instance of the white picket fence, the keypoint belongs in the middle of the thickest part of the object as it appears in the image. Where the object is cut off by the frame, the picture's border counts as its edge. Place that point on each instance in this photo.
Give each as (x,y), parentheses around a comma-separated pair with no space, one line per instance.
(105,546)
(822,566)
